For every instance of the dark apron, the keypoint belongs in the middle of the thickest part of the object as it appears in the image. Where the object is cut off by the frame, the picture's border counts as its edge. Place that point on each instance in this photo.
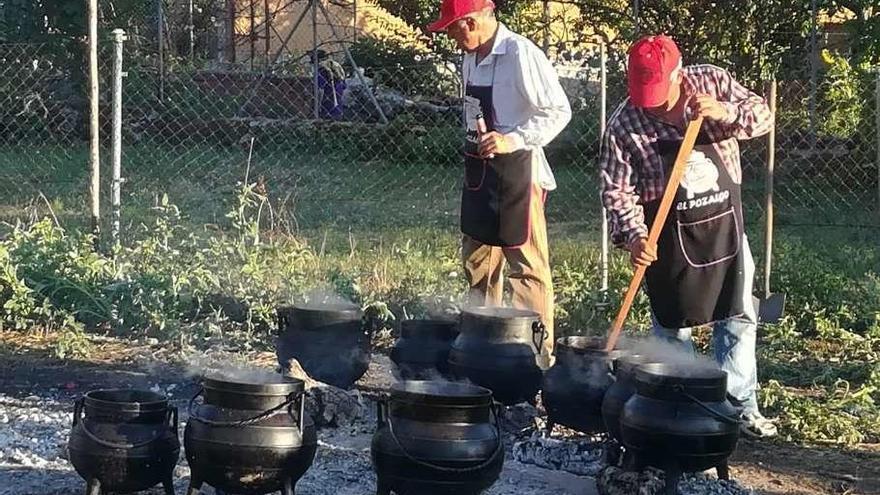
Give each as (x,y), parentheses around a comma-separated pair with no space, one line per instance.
(497,192)
(698,275)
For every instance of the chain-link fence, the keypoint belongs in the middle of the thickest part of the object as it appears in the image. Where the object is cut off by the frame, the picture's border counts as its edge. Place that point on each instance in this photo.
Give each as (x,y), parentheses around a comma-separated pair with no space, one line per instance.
(371,138)
(43,139)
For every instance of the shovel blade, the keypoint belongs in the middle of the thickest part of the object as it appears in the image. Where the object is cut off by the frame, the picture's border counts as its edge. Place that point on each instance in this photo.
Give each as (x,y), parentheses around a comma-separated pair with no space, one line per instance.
(771,308)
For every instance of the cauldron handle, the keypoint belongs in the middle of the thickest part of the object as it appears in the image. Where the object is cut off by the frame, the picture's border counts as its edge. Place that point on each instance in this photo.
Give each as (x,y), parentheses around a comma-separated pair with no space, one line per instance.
(302,408)
(538,328)
(494,409)
(381,413)
(497,410)
(77,410)
(172,419)
(719,416)
(280,320)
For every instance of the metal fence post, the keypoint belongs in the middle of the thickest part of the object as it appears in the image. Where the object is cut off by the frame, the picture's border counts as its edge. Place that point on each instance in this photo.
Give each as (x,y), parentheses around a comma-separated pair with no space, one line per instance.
(877,129)
(160,47)
(190,28)
(814,75)
(317,107)
(603,102)
(116,185)
(94,127)
(770,91)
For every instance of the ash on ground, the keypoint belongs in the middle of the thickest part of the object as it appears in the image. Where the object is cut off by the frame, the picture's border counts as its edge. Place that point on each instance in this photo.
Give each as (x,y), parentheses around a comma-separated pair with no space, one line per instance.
(36,409)
(577,455)
(616,481)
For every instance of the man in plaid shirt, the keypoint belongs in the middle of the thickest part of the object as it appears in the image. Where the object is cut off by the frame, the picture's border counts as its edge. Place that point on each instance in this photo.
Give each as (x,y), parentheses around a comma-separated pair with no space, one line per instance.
(701,270)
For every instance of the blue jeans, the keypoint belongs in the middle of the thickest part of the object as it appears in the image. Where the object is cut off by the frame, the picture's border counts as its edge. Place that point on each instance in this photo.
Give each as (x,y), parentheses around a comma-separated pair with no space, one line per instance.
(733,342)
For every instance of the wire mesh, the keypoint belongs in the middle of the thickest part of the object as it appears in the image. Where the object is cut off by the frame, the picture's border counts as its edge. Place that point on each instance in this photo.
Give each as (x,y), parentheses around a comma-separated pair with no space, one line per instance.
(372,137)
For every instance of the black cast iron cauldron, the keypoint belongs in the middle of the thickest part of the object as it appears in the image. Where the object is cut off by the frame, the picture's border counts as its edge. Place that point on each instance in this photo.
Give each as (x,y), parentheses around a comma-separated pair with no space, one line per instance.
(249,438)
(422,351)
(680,420)
(437,438)
(620,391)
(574,387)
(332,342)
(500,349)
(126,442)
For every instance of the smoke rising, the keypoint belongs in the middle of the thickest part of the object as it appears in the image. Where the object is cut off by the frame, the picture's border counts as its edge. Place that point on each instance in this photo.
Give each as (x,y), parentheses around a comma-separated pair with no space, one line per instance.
(204,366)
(660,350)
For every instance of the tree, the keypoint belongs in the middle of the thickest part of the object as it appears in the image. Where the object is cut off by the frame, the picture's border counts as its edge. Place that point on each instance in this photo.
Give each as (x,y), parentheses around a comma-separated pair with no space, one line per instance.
(750,37)
(863,28)
(33,20)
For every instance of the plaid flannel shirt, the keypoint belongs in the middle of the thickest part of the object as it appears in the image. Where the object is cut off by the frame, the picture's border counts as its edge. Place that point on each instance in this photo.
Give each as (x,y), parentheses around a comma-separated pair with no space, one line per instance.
(631,167)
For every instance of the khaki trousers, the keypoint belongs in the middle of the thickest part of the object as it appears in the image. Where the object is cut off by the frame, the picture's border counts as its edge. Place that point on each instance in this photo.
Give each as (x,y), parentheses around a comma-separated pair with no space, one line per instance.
(529,271)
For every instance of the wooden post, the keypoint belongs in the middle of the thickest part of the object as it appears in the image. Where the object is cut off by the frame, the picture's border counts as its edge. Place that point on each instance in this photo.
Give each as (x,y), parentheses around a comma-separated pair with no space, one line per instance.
(768,186)
(877,130)
(546,20)
(268,25)
(94,127)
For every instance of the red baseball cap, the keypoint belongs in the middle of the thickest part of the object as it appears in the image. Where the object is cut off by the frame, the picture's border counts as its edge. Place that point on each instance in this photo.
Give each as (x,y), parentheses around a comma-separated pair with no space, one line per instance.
(651,62)
(453,10)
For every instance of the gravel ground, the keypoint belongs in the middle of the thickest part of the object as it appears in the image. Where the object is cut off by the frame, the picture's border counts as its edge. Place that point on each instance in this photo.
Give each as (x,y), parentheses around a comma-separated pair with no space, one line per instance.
(34,431)
(36,411)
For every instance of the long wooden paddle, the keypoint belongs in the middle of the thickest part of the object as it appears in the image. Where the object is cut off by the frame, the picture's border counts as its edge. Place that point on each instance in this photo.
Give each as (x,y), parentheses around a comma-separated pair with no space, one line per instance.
(678,169)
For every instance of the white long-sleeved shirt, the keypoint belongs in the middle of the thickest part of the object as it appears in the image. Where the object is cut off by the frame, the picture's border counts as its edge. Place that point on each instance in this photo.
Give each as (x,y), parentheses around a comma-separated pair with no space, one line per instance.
(529,104)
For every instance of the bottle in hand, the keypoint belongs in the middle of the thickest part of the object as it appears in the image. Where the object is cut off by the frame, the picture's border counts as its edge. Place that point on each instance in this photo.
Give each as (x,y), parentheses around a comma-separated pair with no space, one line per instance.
(482,128)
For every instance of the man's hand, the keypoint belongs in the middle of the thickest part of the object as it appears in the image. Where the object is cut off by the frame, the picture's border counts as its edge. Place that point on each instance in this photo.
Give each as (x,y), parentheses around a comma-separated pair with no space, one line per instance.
(708,107)
(494,143)
(641,253)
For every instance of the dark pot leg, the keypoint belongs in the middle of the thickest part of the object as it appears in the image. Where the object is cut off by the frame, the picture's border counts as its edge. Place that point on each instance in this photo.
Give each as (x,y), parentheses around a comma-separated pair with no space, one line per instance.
(612,453)
(382,488)
(195,487)
(93,487)
(630,461)
(168,485)
(672,482)
(287,489)
(723,471)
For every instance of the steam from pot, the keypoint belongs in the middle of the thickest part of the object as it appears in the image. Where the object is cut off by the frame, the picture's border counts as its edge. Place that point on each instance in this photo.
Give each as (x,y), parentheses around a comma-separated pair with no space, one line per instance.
(201,365)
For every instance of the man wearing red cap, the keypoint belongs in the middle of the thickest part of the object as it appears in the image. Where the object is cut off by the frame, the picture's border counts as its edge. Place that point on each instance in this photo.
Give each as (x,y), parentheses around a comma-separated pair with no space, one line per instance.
(701,270)
(513,106)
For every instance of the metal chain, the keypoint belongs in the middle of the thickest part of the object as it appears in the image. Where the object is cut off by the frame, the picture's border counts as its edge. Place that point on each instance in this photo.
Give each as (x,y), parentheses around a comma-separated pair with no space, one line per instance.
(243,422)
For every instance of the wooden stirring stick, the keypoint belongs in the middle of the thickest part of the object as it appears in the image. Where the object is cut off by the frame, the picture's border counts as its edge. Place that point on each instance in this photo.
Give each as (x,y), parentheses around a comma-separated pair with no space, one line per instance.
(678,169)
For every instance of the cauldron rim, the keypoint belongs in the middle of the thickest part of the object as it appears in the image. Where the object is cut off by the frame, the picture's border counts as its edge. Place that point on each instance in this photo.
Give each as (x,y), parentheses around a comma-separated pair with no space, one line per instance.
(330,307)
(101,399)
(631,362)
(407,326)
(685,373)
(439,391)
(285,386)
(584,344)
(501,313)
